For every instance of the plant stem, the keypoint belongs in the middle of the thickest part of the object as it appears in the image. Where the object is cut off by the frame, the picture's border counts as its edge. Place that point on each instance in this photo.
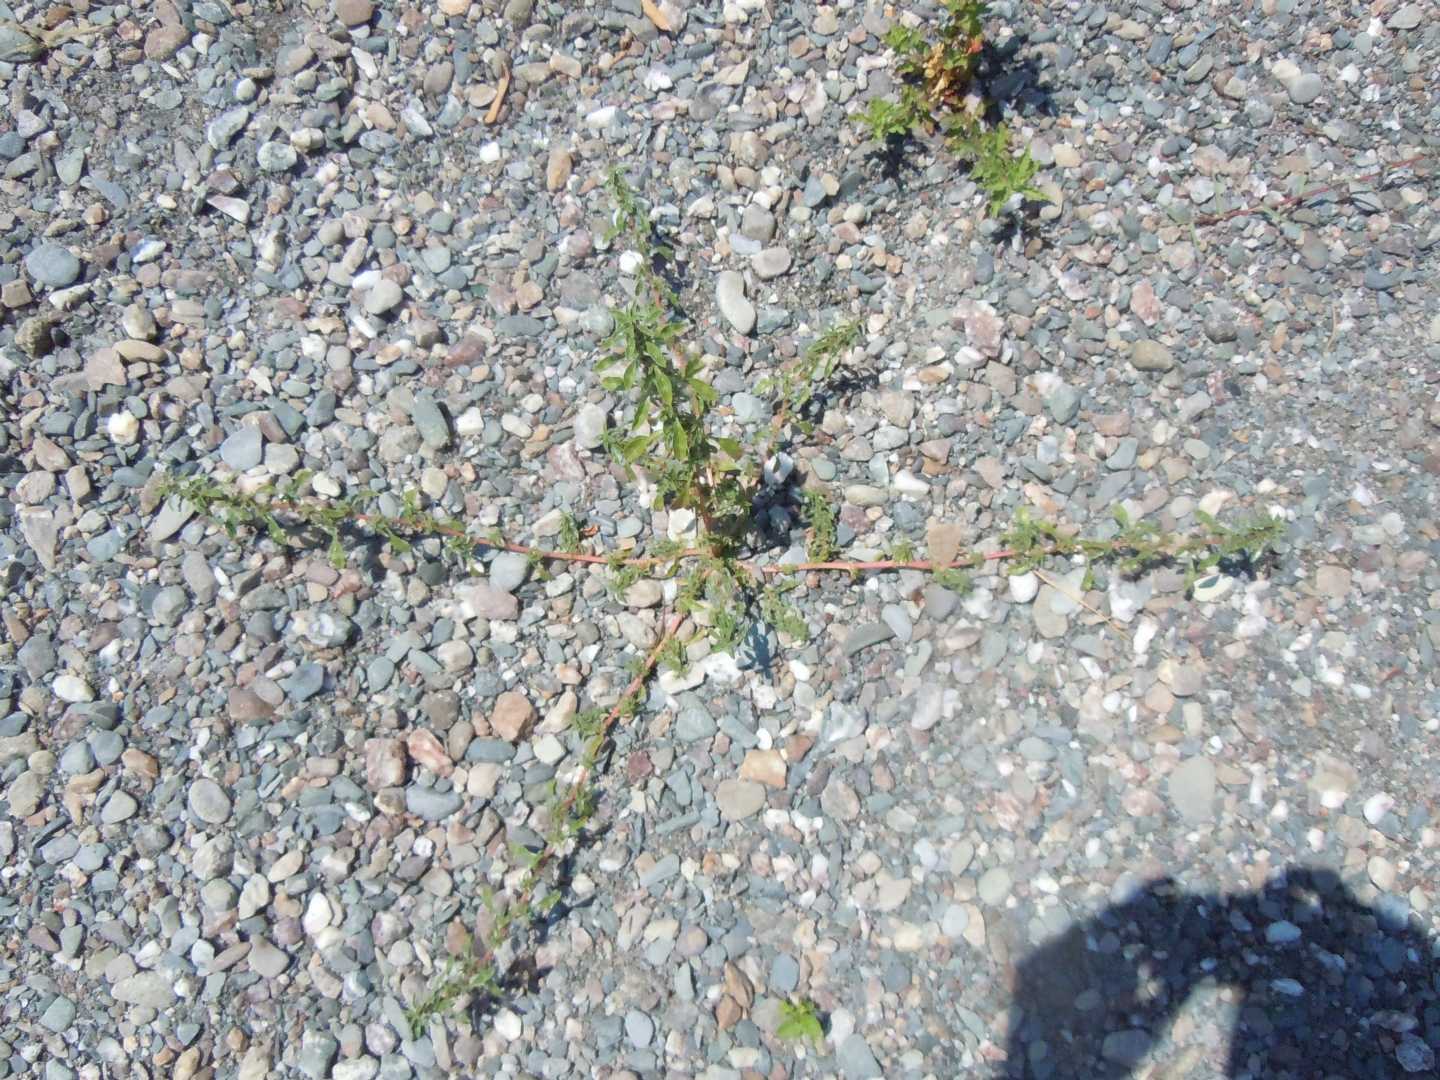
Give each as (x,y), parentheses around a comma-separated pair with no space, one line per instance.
(1291,200)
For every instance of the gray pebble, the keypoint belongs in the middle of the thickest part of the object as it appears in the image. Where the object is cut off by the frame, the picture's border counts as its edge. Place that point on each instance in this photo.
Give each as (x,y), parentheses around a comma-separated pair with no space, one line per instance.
(209,802)
(1303,89)
(430,804)
(52,266)
(508,571)
(242,449)
(431,422)
(856,1060)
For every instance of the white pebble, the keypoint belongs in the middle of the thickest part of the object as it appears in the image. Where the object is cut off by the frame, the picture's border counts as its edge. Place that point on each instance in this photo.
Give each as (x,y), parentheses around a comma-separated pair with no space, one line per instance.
(122,428)
(1377,806)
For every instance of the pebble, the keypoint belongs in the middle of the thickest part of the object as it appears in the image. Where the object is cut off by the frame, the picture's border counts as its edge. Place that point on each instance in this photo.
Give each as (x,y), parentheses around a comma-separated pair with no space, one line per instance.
(1192,789)
(1147,355)
(739,799)
(508,571)
(384,296)
(209,802)
(243,449)
(52,266)
(340,266)
(1304,89)
(994,886)
(768,264)
(730,296)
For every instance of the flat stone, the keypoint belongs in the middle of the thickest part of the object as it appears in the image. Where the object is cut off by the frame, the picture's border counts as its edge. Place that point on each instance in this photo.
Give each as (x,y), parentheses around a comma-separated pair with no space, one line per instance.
(1147,355)
(770,263)
(856,1060)
(1406,18)
(148,988)
(1332,582)
(693,722)
(25,793)
(209,802)
(246,706)
(1304,89)
(508,571)
(1127,1047)
(639,1029)
(243,449)
(52,266)
(764,766)
(730,297)
(120,807)
(739,799)
(318,1050)
(59,1014)
(589,427)
(431,422)
(558,167)
(1063,403)
(266,960)
(485,601)
(354,12)
(994,886)
(839,800)
(276,157)
(163,42)
(384,763)
(1192,789)
(72,689)
(863,637)
(432,805)
(222,130)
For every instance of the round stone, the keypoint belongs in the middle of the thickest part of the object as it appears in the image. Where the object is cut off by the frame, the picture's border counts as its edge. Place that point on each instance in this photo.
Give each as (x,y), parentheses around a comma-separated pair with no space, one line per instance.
(209,802)
(52,265)
(1304,89)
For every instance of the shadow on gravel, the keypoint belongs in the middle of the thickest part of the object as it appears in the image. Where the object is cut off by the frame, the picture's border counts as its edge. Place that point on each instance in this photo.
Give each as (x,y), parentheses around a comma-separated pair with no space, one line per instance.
(1328,986)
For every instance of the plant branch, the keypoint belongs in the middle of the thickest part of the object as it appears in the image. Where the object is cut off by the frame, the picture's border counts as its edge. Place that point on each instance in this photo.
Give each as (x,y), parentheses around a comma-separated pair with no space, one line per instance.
(1291,200)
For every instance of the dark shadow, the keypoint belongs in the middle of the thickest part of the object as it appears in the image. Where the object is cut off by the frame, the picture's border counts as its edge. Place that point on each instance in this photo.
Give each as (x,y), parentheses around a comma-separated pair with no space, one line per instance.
(1328,986)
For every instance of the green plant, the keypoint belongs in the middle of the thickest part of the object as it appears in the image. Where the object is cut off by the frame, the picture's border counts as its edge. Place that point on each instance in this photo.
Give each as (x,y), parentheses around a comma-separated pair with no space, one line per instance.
(1001,174)
(938,89)
(670,437)
(800,1020)
(820,543)
(458,979)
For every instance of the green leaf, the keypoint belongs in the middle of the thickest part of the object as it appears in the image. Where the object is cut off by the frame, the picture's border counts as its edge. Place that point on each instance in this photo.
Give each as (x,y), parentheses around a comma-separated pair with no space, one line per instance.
(632,449)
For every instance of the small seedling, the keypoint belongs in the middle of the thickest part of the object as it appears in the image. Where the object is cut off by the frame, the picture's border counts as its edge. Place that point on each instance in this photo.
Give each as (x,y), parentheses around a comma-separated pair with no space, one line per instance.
(800,1021)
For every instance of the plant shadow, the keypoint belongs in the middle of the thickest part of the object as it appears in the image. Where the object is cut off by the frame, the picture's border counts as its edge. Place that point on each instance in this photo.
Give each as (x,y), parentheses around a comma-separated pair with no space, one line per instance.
(1328,985)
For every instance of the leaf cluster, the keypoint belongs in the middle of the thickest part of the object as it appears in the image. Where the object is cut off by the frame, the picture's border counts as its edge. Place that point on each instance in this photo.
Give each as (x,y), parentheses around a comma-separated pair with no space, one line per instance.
(937,89)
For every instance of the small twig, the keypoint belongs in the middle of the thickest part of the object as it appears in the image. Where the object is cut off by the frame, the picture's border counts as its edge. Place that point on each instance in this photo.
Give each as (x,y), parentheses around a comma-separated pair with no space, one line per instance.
(548,853)
(968,562)
(493,113)
(1065,591)
(655,15)
(1253,208)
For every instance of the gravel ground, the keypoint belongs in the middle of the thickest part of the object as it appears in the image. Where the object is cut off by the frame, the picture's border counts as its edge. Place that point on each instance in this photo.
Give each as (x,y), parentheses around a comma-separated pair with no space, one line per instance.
(249,801)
